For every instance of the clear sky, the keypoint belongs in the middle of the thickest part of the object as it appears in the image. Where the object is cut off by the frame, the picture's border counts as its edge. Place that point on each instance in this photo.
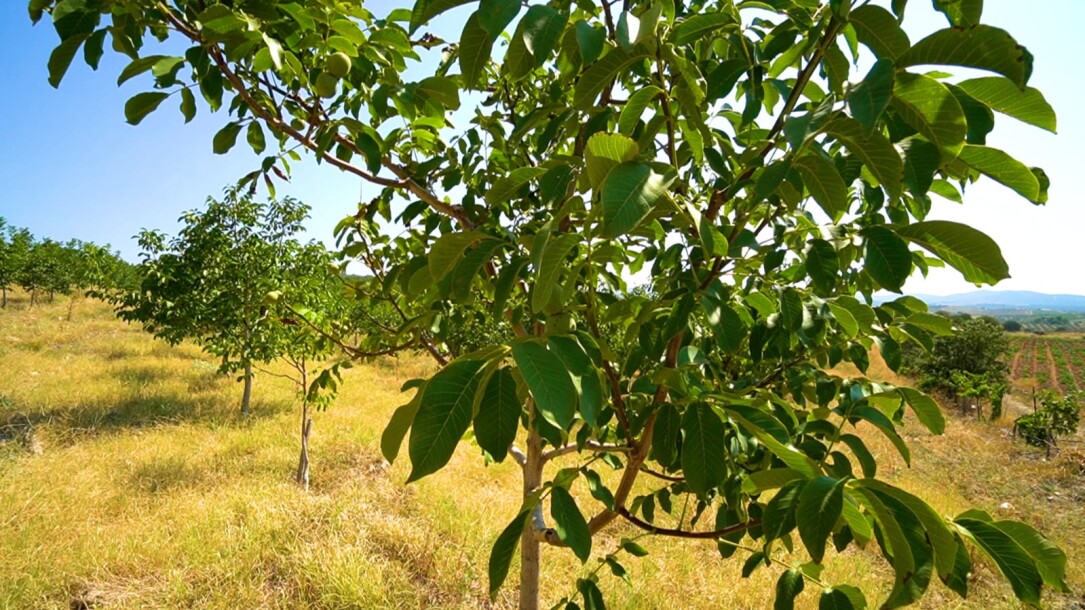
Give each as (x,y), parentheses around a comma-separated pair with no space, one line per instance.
(72,167)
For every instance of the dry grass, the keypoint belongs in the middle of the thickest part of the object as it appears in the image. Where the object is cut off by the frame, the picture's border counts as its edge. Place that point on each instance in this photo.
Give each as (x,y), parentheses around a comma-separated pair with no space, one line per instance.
(127,480)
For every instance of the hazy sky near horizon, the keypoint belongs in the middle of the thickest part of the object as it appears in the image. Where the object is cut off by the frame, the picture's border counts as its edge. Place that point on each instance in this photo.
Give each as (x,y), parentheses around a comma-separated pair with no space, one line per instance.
(73,168)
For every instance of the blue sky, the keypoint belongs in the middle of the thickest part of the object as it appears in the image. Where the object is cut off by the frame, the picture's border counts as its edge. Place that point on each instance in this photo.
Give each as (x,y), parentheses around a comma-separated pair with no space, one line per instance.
(72,167)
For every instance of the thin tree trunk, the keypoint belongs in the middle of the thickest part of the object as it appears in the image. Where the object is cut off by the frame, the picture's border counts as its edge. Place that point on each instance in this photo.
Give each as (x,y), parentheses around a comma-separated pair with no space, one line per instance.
(306,426)
(530,551)
(303,462)
(247,396)
(4,302)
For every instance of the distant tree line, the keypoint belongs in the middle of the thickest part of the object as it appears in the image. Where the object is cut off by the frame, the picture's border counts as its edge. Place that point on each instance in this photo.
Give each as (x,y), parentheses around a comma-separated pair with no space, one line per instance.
(44,267)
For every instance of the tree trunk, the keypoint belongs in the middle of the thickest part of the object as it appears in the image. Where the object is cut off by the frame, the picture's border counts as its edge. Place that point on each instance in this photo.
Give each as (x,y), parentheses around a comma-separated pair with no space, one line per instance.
(530,551)
(71,307)
(4,299)
(302,476)
(247,396)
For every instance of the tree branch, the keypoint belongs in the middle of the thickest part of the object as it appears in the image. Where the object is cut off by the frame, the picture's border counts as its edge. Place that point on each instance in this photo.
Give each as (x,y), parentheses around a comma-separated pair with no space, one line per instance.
(518,455)
(679,533)
(589,446)
(275,122)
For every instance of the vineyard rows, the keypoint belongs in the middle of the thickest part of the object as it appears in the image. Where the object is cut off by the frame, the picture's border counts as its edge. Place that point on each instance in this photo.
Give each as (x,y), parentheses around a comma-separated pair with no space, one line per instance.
(1053,362)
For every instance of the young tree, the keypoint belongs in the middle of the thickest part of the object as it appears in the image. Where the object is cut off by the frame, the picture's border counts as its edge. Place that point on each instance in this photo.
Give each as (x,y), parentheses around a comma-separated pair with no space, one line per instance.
(313,319)
(210,283)
(7,261)
(1058,417)
(735,152)
(46,267)
(977,348)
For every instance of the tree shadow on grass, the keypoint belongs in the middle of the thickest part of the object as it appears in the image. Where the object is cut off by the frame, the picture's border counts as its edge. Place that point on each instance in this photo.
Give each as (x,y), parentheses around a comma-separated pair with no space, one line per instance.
(68,423)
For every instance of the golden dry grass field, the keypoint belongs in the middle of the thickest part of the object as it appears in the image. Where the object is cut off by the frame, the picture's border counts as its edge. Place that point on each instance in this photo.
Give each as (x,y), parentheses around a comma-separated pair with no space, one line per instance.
(128,480)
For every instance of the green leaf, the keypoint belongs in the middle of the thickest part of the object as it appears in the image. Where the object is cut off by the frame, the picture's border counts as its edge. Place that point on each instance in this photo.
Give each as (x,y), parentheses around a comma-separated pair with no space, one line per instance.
(599,74)
(476,45)
(61,58)
(1012,560)
(937,532)
(1004,169)
(874,149)
(926,409)
(1049,558)
(549,382)
(974,254)
(507,187)
(773,478)
(778,518)
(503,550)
(138,66)
(929,107)
(960,13)
(142,104)
(842,597)
(589,41)
(822,264)
(225,139)
(585,375)
(957,581)
(880,31)
(697,26)
(825,184)
(819,507)
(569,522)
(980,118)
(882,422)
(550,267)
(444,414)
(1004,96)
(188,104)
(496,15)
(448,250)
(921,160)
(869,99)
(593,597)
(74,18)
(398,425)
(887,258)
(893,538)
(498,415)
(424,10)
(703,453)
(665,435)
(845,319)
(438,90)
(93,48)
(981,47)
(604,152)
(542,28)
(634,108)
(629,192)
(861,529)
(36,8)
(791,310)
(255,136)
(787,454)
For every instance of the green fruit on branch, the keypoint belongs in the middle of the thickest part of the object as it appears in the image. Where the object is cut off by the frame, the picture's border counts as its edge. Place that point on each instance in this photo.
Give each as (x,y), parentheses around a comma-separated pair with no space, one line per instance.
(338,64)
(326,85)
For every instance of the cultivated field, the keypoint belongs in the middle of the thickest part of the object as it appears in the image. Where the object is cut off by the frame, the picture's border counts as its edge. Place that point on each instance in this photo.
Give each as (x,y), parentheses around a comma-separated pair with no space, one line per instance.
(1056,362)
(127,480)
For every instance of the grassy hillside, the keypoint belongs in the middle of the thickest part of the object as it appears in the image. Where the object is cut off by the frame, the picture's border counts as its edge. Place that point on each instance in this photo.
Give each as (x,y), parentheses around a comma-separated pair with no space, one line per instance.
(128,480)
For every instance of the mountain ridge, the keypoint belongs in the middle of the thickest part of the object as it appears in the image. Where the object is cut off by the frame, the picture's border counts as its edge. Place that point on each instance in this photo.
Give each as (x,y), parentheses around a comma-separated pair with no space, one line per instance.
(1007,299)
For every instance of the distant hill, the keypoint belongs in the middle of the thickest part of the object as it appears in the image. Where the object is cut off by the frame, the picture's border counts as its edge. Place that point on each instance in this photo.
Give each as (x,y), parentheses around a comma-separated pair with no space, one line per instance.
(1008,299)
